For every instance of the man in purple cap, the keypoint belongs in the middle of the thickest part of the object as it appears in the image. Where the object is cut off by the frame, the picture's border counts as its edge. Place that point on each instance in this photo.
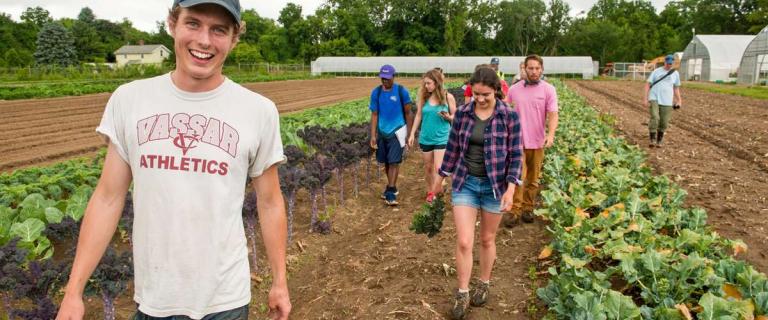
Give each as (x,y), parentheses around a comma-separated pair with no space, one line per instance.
(390,123)
(188,140)
(661,91)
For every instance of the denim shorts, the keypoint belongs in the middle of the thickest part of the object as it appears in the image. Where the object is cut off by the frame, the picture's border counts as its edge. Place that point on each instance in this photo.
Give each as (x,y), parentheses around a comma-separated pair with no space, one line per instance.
(477,193)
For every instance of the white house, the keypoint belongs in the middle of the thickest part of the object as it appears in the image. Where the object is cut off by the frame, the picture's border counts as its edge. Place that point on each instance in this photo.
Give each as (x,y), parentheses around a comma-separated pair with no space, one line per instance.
(141,54)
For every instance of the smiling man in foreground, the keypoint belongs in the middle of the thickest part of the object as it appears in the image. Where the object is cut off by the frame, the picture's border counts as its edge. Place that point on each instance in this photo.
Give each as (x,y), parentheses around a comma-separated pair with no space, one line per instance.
(188,140)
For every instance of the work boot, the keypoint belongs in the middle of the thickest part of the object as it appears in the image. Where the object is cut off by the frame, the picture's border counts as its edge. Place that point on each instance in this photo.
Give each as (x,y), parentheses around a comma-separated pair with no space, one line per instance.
(460,305)
(659,138)
(510,220)
(528,216)
(653,140)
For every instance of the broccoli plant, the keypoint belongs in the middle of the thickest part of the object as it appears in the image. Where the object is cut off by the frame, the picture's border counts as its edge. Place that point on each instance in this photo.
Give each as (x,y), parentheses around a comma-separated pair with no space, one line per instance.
(110,279)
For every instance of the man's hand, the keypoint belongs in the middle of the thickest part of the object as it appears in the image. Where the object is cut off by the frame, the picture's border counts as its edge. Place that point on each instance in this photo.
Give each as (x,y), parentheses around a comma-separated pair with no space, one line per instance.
(374,146)
(549,141)
(279,303)
(645,103)
(72,308)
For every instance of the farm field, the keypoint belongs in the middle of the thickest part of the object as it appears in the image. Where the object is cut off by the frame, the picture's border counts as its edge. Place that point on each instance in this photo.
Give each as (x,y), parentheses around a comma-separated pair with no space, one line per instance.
(614,238)
(40,131)
(716,148)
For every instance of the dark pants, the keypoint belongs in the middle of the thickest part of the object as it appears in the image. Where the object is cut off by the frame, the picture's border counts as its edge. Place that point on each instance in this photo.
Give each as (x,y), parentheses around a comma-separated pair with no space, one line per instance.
(234,314)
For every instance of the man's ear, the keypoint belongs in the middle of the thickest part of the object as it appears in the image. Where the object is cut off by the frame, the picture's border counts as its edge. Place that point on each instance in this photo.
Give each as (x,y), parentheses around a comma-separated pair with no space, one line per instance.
(239,32)
(171,26)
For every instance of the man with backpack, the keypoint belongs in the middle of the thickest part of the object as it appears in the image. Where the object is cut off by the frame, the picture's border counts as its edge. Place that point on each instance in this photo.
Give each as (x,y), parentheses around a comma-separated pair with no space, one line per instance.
(661,90)
(390,123)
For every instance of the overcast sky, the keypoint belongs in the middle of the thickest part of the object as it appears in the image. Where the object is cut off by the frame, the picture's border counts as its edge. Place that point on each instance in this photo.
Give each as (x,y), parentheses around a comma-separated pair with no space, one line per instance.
(144,13)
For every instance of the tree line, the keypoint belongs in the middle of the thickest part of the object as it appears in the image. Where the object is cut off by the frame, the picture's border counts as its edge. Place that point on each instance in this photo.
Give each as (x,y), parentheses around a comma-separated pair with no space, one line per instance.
(612,30)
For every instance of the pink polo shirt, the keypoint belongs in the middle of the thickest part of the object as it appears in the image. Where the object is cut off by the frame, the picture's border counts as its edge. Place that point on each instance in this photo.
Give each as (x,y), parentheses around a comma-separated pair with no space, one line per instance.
(532,102)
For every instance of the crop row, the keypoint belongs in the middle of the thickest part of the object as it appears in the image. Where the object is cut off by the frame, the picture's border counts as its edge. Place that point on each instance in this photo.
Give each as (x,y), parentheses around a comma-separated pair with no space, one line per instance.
(624,244)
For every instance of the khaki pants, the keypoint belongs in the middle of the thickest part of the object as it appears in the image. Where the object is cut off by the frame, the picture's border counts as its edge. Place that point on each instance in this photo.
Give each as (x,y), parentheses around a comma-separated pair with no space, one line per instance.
(660,116)
(525,195)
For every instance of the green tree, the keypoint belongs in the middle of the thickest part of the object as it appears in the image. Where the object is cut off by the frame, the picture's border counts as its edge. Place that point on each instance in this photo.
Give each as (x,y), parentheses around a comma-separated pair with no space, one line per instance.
(555,25)
(13,58)
(256,26)
(289,15)
(758,18)
(86,15)
(520,26)
(55,46)
(87,41)
(245,53)
(36,16)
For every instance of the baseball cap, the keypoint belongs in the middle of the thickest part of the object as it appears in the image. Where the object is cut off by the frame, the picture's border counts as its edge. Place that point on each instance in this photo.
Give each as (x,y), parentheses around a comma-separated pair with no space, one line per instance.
(387,72)
(232,6)
(669,59)
(494,60)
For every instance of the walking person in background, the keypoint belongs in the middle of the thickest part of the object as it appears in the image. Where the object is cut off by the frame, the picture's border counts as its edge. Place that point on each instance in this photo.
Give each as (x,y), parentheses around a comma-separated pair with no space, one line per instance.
(535,101)
(390,122)
(520,76)
(483,158)
(188,140)
(661,91)
(435,109)
(495,66)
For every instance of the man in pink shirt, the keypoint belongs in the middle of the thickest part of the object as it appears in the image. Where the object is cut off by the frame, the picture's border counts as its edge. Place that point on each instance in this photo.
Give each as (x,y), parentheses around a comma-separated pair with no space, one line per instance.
(535,101)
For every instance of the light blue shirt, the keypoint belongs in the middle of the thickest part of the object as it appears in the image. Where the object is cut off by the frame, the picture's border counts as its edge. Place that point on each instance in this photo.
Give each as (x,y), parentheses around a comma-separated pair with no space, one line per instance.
(663,92)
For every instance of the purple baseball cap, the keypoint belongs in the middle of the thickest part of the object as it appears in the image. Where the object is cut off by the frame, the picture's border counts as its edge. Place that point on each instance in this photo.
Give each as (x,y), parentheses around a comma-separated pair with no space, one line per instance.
(387,71)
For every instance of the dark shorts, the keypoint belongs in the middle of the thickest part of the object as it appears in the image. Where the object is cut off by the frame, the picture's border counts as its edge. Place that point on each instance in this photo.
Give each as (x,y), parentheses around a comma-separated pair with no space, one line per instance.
(432,147)
(389,150)
(240,313)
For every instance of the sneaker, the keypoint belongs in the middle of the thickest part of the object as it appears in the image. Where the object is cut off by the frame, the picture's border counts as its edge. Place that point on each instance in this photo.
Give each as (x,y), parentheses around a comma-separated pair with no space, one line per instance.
(460,305)
(391,198)
(431,197)
(388,189)
(528,217)
(480,294)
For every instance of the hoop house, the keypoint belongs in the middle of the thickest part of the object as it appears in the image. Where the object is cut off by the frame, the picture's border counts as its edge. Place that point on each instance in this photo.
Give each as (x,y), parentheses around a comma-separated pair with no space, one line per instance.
(754,64)
(714,57)
(579,66)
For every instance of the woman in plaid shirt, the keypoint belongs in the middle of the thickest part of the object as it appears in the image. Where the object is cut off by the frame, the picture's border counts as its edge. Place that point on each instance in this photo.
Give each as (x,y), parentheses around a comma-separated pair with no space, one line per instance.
(483,158)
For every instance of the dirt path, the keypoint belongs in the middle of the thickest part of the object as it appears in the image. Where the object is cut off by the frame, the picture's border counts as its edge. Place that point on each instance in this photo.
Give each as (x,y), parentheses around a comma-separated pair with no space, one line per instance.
(373,267)
(716,148)
(40,131)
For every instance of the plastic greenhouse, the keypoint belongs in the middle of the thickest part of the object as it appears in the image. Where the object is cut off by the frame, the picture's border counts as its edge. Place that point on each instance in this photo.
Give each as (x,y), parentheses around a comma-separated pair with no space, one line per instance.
(579,66)
(714,57)
(754,64)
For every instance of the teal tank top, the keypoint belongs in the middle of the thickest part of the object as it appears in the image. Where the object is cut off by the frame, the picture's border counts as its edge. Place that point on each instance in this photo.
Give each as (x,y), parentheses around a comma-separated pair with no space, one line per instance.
(434,129)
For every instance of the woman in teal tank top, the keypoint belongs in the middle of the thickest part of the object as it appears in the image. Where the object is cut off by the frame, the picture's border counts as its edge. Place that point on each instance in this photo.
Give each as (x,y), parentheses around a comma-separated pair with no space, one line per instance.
(435,110)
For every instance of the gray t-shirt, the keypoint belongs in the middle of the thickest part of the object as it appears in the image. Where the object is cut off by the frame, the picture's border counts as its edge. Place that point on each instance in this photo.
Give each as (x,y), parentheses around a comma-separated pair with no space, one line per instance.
(475,155)
(190,154)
